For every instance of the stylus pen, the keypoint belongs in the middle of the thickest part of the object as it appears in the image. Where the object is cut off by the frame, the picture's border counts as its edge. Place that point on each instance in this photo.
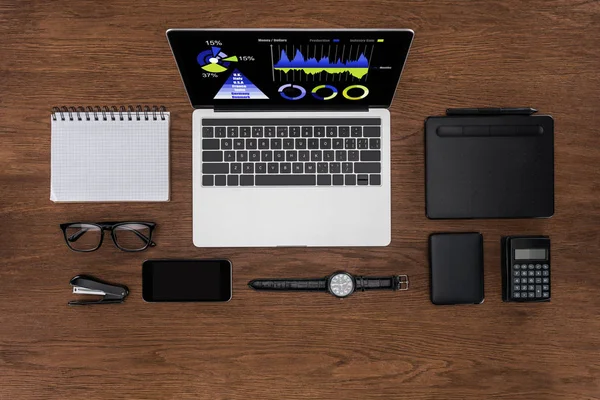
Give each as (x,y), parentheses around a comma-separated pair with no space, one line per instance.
(491,111)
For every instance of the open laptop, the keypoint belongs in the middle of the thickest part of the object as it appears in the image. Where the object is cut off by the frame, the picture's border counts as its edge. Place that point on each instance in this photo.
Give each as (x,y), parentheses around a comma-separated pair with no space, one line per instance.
(291,134)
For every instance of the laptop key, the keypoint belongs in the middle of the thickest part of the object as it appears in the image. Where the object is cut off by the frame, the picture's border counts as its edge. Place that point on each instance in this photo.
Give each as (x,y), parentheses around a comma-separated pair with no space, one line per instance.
(300,144)
(279,155)
(236,168)
(247,180)
(350,180)
(335,167)
(323,179)
(257,131)
(297,168)
(307,131)
(340,155)
(207,131)
(325,144)
(363,179)
(251,144)
(220,180)
(375,180)
(353,155)
(215,168)
(347,168)
(273,168)
(316,155)
(328,155)
(282,131)
(285,168)
(238,144)
(254,155)
(263,143)
(303,155)
(208,180)
(366,168)
(245,131)
(374,143)
(362,143)
(356,131)
(288,144)
(338,180)
(210,144)
(220,131)
(232,131)
(266,155)
(371,131)
(291,155)
(285,180)
(275,144)
(241,155)
(337,143)
(309,168)
(322,168)
(319,131)
(226,144)
(344,131)
(331,131)
(313,143)
(232,180)
(294,131)
(261,168)
(230,156)
(248,168)
(269,131)
(370,155)
(212,156)
(350,144)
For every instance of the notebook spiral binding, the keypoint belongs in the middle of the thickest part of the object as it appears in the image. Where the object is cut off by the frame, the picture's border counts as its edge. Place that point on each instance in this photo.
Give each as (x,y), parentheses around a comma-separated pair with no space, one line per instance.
(105,113)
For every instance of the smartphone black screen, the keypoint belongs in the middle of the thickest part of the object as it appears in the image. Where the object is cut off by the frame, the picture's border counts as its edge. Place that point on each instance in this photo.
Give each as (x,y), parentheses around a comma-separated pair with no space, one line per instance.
(186,280)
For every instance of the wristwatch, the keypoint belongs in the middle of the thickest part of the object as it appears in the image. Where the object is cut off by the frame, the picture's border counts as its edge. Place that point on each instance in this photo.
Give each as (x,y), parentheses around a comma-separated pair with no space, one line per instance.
(340,284)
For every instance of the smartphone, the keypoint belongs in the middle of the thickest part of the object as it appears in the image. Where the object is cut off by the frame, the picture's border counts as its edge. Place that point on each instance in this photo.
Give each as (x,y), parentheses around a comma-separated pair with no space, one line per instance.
(186,280)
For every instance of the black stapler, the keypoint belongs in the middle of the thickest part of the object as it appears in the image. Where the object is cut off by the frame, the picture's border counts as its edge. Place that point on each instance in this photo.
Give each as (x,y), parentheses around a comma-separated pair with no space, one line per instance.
(88,285)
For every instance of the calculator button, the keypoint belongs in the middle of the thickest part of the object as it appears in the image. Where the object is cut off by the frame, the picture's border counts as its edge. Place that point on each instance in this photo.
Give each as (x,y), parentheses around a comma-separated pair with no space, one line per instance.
(531,295)
(545,266)
(523,280)
(530,287)
(517,280)
(538,266)
(545,273)
(538,291)
(538,273)
(516,266)
(517,295)
(516,288)
(530,280)
(517,273)
(530,266)
(545,280)
(538,280)
(545,288)
(531,273)
(545,295)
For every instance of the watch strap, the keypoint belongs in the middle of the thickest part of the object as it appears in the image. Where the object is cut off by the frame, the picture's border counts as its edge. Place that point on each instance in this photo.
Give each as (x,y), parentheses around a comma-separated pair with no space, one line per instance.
(394,282)
(289,284)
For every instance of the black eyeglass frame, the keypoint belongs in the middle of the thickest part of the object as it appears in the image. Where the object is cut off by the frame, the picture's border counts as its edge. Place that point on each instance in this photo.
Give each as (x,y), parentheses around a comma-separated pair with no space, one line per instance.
(105,226)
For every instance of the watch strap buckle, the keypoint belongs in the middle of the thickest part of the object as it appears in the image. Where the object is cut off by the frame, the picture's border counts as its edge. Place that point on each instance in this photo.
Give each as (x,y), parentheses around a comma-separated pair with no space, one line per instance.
(401,282)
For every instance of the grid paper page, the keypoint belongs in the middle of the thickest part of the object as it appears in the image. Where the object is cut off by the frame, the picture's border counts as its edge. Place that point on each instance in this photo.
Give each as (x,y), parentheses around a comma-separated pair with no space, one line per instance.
(105,161)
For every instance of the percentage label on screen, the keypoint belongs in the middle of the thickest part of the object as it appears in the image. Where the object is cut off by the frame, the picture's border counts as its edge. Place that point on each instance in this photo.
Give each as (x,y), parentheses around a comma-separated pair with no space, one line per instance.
(209,75)
(214,43)
(246,58)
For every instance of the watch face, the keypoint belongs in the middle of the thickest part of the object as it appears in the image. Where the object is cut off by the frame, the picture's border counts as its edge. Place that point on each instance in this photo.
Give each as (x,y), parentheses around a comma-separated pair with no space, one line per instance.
(341,285)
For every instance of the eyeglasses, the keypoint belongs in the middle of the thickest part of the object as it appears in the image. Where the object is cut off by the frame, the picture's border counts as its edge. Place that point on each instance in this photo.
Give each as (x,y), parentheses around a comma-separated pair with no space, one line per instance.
(127,236)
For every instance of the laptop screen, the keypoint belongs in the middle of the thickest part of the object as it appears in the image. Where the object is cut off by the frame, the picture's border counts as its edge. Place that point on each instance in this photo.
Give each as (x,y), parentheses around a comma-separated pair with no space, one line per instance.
(290,68)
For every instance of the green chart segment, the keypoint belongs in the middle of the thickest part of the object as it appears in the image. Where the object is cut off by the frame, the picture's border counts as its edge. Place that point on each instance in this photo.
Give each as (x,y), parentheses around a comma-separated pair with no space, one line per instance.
(214,60)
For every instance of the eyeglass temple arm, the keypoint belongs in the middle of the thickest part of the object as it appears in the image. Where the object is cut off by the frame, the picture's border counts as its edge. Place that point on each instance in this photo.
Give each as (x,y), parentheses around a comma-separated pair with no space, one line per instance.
(77,235)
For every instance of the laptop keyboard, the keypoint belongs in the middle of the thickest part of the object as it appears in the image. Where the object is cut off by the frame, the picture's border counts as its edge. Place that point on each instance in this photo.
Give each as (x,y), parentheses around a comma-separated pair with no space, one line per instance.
(291,152)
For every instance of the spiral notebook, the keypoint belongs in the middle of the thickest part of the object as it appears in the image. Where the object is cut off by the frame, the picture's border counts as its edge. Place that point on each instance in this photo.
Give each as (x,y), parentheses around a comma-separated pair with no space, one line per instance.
(102,155)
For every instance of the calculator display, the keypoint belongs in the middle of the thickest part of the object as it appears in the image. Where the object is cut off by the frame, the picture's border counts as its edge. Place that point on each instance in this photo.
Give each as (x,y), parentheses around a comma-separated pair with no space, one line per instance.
(530,254)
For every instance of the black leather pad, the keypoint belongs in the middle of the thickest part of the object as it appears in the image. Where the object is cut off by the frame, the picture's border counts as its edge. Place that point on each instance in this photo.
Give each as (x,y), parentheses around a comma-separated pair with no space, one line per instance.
(456,261)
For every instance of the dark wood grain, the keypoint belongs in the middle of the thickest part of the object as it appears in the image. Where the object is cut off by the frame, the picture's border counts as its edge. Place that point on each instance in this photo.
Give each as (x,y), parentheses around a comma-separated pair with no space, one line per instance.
(279,346)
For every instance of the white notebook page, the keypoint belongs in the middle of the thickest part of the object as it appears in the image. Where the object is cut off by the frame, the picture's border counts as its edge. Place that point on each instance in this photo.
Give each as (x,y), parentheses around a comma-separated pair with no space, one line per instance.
(109,160)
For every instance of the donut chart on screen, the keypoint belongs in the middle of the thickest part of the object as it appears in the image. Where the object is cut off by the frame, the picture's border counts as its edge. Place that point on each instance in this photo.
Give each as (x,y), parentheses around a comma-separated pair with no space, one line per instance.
(323,88)
(359,87)
(301,92)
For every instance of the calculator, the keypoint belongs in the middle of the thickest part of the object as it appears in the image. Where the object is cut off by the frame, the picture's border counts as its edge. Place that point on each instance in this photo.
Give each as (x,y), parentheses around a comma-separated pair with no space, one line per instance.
(526,268)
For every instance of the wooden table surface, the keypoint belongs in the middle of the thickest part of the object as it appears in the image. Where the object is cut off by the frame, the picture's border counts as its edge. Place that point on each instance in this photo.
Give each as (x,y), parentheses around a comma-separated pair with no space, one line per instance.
(544,54)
